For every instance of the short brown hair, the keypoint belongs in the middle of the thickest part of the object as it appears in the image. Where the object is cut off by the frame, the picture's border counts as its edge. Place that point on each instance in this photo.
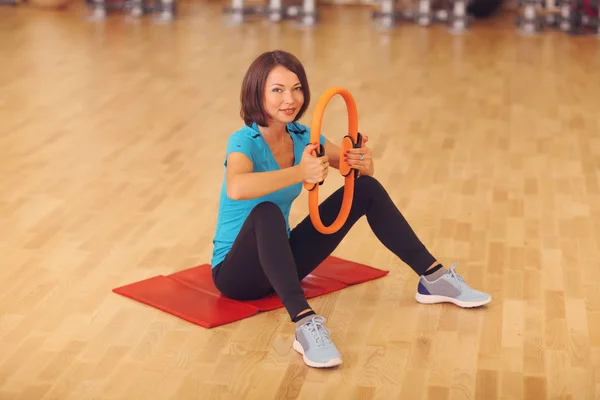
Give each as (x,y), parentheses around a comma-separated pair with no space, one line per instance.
(253,86)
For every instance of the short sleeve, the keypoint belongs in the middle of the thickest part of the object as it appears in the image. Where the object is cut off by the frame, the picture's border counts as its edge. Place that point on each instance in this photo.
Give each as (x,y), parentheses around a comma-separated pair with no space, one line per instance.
(239,143)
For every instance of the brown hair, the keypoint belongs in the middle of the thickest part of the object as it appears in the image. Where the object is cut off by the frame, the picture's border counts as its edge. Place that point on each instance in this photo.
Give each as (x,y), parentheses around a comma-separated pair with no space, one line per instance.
(253,86)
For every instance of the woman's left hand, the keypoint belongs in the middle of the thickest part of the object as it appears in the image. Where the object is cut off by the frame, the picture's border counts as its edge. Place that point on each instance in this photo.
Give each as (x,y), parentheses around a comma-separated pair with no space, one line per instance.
(361,159)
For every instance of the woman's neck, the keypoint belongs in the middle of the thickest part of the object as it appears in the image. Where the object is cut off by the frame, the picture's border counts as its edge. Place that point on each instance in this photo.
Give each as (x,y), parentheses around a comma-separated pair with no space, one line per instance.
(275,132)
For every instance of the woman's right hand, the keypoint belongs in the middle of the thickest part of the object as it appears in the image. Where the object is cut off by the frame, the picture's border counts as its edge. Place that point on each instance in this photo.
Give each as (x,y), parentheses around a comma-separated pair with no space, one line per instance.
(314,169)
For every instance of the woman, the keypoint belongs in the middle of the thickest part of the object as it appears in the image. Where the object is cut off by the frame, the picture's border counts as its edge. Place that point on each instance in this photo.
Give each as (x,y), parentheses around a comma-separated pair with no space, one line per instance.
(267,161)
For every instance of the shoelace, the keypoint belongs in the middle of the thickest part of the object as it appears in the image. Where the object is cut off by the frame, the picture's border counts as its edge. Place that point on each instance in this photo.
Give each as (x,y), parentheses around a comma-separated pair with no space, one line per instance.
(455,275)
(317,331)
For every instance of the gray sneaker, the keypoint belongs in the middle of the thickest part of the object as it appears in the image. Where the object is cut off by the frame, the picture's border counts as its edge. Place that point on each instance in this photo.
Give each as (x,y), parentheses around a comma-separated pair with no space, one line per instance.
(450,288)
(313,342)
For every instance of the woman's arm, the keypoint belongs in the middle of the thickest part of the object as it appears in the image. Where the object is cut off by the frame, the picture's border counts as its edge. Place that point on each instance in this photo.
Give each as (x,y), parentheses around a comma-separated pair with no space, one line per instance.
(333,152)
(244,184)
(364,166)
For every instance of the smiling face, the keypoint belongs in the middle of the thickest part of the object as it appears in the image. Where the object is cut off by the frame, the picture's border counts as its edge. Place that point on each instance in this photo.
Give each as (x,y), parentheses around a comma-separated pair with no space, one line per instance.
(284,95)
(275,90)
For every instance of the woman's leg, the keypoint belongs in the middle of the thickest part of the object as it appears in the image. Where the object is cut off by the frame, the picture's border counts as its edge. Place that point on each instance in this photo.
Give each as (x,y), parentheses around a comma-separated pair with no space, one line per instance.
(310,248)
(261,262)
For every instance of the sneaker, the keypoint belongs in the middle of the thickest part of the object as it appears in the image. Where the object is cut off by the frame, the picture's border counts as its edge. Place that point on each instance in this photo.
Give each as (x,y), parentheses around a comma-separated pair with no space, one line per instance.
(313,342)
(450,288)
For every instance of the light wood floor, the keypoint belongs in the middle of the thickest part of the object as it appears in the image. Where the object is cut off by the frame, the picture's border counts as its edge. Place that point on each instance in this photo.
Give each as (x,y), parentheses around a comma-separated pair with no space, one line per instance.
(111,143)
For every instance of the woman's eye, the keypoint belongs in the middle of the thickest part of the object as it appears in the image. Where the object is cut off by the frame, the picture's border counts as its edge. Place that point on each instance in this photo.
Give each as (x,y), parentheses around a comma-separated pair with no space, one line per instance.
(279,90)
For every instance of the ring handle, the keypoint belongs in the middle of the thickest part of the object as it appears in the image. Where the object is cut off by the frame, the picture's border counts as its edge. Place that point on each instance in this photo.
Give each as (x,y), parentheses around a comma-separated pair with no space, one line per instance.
(352,140)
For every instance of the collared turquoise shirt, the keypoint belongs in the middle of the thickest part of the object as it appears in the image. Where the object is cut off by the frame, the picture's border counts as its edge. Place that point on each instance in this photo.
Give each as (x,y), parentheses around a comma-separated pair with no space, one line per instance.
(233,213)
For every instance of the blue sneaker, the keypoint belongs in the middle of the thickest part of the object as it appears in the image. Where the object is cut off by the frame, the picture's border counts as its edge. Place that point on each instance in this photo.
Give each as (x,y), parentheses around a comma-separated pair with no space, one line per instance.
(313,342)
(450,288)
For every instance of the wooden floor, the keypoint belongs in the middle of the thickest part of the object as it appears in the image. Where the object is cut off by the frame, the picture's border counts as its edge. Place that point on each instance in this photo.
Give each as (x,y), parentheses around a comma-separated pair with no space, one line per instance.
(112,138)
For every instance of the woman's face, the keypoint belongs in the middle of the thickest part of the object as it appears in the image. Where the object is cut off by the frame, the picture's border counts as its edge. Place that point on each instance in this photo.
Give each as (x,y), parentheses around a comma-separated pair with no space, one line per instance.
(283,95)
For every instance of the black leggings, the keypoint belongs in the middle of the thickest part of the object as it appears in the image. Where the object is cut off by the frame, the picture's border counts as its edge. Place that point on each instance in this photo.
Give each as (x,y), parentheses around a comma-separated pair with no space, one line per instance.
(263,259)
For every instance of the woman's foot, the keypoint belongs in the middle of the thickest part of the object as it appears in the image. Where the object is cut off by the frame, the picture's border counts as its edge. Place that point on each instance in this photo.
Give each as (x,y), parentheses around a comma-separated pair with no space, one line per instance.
(449,288)
(313,342)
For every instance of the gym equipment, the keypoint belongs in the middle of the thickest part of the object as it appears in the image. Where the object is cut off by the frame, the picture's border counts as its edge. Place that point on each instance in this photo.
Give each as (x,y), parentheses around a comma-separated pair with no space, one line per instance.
(163,10)
(452,12)
(582,16)
(571,16)
(305,13)
(484,8)
(530,22)
(12,2)
(191,294)
(352,140)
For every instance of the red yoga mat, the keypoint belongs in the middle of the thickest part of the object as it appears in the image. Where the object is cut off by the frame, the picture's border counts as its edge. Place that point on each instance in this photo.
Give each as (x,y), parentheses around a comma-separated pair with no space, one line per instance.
(191,295)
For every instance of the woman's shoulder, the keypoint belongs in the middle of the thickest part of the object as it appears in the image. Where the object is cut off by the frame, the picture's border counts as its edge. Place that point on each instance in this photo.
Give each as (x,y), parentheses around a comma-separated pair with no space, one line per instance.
(245,136)
(244,140)
(245,132)
(302,132)
(298,128)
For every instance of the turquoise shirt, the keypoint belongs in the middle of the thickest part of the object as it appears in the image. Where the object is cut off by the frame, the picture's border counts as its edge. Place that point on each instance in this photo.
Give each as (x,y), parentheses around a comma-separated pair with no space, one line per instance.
(233,213)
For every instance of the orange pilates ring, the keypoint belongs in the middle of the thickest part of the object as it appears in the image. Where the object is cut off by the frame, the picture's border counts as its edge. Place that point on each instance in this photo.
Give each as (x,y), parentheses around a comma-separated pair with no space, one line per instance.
(352,140)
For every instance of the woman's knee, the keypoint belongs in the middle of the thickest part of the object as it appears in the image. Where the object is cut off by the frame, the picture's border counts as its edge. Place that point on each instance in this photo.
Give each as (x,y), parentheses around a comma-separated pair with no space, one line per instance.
(368,184)
(267,208)
(268,211)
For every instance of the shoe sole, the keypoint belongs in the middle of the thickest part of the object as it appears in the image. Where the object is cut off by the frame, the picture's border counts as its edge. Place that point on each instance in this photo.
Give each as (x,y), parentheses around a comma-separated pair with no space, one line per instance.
(434,299)
(331,363)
